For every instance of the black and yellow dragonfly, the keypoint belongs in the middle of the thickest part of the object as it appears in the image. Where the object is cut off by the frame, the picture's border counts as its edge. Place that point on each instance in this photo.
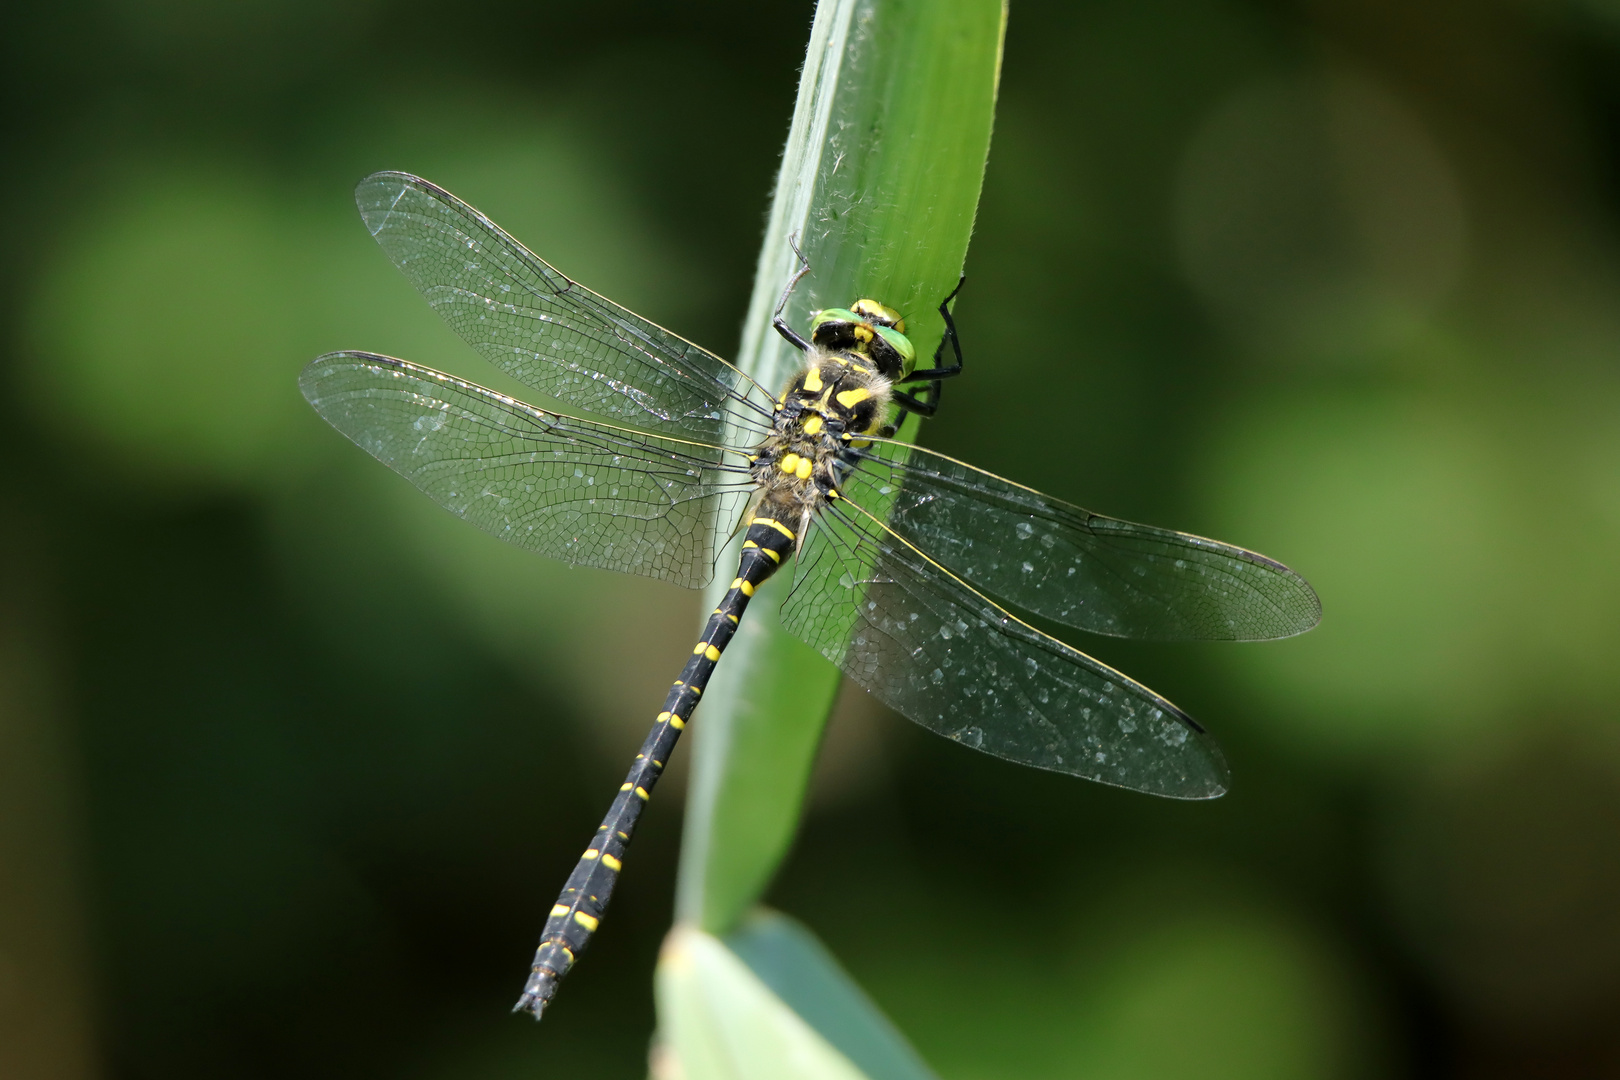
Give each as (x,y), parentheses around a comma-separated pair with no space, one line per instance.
(896,551)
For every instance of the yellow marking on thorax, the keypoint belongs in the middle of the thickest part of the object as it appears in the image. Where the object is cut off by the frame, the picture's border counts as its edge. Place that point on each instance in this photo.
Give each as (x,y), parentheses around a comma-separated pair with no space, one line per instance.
(851,398)
(789,463)
(812,426)
(812,380)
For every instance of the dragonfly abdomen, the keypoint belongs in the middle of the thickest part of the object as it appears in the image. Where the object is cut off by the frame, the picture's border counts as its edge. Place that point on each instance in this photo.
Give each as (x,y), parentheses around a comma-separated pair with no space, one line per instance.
(767,545)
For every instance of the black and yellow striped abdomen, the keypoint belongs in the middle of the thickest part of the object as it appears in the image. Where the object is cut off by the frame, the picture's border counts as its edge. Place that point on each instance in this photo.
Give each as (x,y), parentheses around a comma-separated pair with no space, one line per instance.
(767,545)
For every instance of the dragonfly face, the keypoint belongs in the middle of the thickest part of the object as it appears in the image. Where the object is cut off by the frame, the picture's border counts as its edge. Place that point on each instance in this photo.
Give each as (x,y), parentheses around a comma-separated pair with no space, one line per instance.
(908,566)
(867,328)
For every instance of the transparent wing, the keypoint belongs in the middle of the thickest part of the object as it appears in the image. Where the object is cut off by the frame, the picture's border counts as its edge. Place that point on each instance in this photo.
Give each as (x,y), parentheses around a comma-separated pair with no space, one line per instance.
(584,492)
(928,645)
(1078,568)
(549,332)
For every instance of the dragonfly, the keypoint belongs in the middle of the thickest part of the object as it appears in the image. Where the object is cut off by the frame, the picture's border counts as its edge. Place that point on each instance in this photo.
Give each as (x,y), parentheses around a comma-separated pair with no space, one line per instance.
(907,566)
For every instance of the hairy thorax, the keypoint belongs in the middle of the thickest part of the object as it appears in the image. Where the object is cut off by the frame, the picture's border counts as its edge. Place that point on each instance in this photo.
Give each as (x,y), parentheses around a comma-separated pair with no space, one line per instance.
(827,407)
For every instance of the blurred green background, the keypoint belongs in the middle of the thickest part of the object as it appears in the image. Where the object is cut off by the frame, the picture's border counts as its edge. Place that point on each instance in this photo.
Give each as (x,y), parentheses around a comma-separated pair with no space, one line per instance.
(292,762)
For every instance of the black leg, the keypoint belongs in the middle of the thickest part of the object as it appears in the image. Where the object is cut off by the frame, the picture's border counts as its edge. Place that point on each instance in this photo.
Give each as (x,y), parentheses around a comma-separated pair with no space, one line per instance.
(939,371)
(909,404)
(781,305)
(927,403)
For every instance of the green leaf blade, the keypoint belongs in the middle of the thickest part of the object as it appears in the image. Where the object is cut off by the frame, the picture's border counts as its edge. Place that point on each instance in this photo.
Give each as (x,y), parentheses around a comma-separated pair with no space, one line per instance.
(880,181)
(767,1000)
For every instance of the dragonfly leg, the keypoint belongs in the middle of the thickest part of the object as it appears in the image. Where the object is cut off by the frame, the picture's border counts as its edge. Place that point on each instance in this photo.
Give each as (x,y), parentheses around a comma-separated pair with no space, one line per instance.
(777,321)
(927,402)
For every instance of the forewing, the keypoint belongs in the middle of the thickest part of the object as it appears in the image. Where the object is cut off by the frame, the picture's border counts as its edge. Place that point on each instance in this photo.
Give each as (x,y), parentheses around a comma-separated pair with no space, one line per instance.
(584,492)
(931,647)
(1081,569)
(548,332)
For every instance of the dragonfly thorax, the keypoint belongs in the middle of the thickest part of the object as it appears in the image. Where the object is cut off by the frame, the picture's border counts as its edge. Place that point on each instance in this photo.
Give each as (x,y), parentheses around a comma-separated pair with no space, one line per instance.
(836,398)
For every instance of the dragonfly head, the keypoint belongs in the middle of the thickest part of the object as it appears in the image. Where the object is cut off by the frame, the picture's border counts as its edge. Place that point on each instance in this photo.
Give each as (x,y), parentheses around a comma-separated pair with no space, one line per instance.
(869,328)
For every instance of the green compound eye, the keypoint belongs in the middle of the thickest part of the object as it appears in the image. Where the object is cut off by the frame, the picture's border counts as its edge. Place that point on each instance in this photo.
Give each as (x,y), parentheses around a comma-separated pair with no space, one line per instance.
(833,315)
(902,345)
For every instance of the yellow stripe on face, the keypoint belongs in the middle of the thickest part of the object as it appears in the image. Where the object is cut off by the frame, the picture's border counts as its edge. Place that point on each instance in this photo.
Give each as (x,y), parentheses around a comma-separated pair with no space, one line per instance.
(559,909)
(812,380)
(812,426)
(589,922)
(851,398)
(612,864)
